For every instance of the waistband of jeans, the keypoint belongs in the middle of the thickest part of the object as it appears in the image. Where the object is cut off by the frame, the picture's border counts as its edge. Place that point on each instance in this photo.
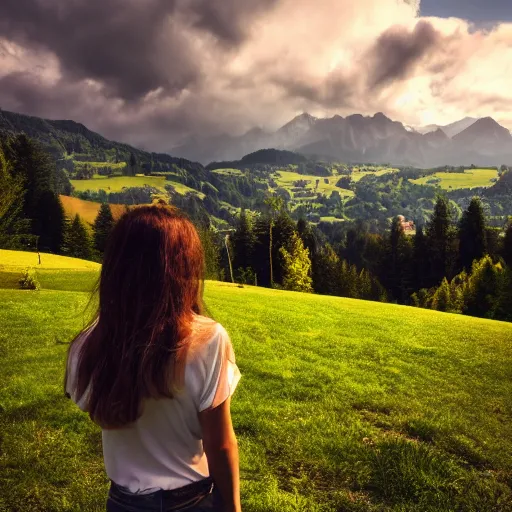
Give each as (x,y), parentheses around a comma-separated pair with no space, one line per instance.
(192,490)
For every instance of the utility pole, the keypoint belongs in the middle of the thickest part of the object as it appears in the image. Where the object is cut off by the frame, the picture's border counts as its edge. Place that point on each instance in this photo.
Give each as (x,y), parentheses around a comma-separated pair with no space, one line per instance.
(229,258)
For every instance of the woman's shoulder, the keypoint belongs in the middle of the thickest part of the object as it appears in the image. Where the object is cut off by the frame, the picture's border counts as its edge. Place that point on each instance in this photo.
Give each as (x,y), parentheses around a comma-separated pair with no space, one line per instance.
(206,333)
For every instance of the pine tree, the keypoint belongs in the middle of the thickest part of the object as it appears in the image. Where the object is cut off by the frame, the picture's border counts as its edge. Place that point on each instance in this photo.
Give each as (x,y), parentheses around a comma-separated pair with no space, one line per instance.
(77,241)
(395,259)
(442,297)
(49,223)
(472,234)
(326,271)
(32,165)
(211,243)
(420,270)
(504,307)
(13,227)
(439,240)
(275,203)
(348,280)
(133,167)
(103,225)
(261,260)
(243,241)
(484,287)
(507,246)
(308,236)
(297,266)
(282,232)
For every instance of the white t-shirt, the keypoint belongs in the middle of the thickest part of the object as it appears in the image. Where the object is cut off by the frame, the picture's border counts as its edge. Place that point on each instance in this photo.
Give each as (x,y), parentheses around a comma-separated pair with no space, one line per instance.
(163,449)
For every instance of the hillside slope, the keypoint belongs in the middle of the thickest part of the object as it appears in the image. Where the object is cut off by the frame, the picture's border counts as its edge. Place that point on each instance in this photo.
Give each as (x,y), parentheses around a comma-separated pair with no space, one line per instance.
(66,137)
(343,404)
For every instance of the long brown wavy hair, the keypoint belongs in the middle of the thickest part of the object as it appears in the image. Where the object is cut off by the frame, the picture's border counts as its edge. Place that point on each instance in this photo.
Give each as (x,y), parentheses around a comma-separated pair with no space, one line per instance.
(150,287)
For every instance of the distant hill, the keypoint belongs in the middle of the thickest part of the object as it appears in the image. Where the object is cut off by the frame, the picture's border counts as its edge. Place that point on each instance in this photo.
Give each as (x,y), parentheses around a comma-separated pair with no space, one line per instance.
(67,138)
(263,156)
(358,138)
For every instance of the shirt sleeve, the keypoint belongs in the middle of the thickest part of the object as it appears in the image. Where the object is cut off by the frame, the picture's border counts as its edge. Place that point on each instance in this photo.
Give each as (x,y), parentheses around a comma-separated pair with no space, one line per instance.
(222,373)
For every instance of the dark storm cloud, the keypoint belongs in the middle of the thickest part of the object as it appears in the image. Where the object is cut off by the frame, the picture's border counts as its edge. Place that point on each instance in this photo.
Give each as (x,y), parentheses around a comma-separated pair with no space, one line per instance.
(130,46)
(335,91)
(397,51)
(227,19)
(113,41)
(26,93)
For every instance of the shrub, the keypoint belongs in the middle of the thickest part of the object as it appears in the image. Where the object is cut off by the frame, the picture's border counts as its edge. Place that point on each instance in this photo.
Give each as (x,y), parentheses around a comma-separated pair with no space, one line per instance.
(29,280)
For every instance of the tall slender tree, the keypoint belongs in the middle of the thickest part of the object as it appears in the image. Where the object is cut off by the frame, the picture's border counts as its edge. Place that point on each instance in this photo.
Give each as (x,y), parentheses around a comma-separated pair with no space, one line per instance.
(103,225)
(439,237)
(297,266)
(472,235)
(275,203)
(77,241)
(243,241)
(326,271)
(13,227)
(420,260)
(49,223)
(507,246)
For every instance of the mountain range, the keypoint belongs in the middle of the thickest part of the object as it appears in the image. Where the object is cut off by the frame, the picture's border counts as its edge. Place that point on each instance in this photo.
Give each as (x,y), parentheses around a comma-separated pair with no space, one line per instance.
(352,139)
(356,138)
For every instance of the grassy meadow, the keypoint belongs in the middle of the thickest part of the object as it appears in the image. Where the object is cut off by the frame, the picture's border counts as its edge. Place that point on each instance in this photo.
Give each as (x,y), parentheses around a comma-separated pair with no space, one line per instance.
(344,405)
(326,185)
(88,210)
(357,174)
(470,178)
(118,183)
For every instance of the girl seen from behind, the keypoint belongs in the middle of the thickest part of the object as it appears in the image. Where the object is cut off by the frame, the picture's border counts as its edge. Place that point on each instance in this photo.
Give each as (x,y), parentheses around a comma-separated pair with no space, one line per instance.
(156,375)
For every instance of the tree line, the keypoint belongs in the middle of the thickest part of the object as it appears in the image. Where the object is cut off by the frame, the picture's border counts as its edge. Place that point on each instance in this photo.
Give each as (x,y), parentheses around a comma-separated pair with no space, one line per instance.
(463,267)
(31,214)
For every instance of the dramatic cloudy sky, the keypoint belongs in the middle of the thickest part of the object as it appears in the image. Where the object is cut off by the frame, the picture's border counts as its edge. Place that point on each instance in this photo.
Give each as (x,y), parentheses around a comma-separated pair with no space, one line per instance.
(152,72)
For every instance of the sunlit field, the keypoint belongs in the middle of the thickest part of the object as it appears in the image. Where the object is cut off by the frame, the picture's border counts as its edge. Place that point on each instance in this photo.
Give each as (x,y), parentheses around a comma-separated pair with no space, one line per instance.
(118,183)
(469,179)
(326,185)
(88,210)
(344,405)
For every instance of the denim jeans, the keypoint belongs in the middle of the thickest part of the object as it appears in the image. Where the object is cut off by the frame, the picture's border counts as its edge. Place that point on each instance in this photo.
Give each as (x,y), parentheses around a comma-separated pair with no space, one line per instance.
(201,496)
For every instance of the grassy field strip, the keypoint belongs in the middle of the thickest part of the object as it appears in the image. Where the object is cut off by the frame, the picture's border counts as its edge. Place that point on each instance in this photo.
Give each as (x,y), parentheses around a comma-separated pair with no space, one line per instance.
(21,260)
(285,179)
(118,183)
(228,172)
(343,404)
(88,210)
(356,175)
(100,165)
(469,179)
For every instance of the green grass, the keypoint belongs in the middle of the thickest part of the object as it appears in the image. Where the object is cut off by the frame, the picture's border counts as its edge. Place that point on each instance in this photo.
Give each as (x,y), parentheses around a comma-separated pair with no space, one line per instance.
(356,175)
(88,210)
(285,179)
(20,260)
(183,189)
(344,405)
(330,219)
(228,172)
(117,183)
(99,165)
(468,179)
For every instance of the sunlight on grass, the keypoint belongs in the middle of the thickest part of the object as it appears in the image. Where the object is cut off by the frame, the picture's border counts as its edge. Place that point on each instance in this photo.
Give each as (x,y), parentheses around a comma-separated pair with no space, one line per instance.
(326,185)
(468,179)
(344,405)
